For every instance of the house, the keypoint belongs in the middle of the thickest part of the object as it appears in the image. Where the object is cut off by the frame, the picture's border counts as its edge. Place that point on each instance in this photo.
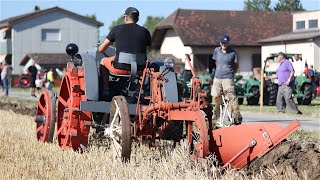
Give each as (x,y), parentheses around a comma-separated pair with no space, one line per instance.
(46,32)
(196,32)
(303,40)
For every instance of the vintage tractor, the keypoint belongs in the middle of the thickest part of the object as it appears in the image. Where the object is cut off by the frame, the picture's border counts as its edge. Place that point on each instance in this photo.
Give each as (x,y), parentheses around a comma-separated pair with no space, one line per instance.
(143,105)
(247,88)
(302,87)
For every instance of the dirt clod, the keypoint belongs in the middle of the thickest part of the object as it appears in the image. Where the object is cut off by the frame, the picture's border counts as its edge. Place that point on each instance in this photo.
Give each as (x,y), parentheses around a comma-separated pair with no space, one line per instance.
(300,156)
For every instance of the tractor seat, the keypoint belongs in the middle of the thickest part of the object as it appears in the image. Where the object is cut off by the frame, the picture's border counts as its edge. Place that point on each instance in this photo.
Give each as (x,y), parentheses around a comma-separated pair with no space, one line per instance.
(127,64)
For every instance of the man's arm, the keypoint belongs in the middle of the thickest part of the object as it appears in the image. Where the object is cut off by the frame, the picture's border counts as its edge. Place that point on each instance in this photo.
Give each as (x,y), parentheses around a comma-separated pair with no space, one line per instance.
(103,47)
(274,76)
(236,66)
(290,77)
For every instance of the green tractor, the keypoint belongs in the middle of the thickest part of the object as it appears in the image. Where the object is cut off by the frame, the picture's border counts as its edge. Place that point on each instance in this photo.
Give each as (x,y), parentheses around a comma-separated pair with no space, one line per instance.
(302,88)
(270,87)
(247,88)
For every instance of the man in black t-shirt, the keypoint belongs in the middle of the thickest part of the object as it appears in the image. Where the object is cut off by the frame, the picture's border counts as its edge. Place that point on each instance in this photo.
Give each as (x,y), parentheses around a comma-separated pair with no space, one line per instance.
(129,38)
(32,70)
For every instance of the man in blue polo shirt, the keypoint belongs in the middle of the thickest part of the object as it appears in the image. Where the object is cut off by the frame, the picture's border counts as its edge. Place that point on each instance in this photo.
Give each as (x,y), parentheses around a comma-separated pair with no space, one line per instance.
(226,65)
(285,77)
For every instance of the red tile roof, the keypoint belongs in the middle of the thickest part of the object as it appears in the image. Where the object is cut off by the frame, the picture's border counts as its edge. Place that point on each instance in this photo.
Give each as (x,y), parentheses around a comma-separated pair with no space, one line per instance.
(10,21)
(203,27)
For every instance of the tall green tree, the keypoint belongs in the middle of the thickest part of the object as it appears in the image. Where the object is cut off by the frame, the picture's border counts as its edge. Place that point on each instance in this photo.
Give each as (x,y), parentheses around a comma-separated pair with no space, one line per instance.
(289,5)
(151,22)
(116,22)
(257,5)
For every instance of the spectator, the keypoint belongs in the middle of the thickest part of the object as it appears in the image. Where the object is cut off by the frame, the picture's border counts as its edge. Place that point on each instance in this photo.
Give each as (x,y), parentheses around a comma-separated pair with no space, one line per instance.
(49,77)
(285,77)
(313,81)
(307,71)
(32,70)
(39,84)
(5,76)
(226,65)
(1,84)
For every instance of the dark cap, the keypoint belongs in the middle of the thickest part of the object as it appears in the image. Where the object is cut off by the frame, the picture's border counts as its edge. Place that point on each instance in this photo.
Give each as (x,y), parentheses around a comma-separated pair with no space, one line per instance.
(224,38)
(131,11)
(282,54)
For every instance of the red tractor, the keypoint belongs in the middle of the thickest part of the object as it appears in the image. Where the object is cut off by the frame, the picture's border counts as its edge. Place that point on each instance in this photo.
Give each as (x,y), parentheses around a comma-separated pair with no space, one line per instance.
(144,105)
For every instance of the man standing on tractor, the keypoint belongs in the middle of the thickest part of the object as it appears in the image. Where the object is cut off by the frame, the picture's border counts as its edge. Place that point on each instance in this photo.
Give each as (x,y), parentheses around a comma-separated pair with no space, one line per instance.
(128,37)
(285,77)
(223,83)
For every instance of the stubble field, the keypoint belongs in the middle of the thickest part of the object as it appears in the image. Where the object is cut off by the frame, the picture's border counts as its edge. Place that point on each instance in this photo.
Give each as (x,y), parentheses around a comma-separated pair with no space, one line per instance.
(22,157)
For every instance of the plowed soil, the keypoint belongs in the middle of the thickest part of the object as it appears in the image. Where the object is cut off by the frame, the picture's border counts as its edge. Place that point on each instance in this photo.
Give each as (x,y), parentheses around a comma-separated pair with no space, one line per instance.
(19,106)
(297,155)
(300,156)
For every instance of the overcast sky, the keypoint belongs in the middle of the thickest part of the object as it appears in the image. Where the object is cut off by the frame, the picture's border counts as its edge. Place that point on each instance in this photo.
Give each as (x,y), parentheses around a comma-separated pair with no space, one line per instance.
(107,11)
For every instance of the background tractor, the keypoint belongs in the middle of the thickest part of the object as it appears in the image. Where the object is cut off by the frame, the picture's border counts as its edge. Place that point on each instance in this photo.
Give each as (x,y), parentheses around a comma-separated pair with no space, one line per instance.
(143,105)
(302,87)
(247,88)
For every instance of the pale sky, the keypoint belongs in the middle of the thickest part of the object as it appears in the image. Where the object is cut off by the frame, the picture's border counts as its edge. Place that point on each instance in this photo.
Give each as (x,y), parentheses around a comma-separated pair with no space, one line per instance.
(108,10)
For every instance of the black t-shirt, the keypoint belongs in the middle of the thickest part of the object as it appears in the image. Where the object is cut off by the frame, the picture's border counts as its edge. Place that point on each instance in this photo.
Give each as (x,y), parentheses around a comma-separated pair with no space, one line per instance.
(33,70)
(130,38)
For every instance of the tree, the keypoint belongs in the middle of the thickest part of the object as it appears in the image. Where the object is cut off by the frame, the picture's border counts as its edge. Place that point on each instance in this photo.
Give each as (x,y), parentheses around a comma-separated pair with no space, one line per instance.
(257,5)
(289,5)
(92,16)
(36,8)
(151,22)
(116,22)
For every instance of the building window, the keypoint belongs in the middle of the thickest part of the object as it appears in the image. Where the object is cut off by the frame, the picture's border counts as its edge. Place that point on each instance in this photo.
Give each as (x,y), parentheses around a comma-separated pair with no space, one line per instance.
(300,24)
(313,23)
(50,35)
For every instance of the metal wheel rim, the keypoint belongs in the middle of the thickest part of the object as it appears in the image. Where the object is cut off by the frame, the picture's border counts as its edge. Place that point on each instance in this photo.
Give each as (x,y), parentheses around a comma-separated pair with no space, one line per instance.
(45,117)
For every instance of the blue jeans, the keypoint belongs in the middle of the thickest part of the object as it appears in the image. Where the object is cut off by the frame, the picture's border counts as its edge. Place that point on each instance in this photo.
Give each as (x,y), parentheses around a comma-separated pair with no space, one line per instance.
(6,85)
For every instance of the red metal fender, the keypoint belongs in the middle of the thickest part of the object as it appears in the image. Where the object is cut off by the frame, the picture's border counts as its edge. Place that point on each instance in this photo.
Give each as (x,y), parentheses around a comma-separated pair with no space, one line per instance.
(236,146)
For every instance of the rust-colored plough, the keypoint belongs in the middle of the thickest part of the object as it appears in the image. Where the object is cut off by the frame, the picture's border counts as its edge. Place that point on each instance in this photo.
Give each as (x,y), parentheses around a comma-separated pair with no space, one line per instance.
(144,107)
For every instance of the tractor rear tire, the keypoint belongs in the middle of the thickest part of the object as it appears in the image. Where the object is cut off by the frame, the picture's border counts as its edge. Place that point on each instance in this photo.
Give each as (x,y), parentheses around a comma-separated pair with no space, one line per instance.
(24,81)
(270,97)
(73,125)
(121,128)
(254,100)
(306,100)
(240,101)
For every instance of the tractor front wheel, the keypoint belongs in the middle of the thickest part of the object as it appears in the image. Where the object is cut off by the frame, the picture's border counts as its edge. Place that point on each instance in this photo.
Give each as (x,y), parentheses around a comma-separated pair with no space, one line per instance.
(46,116)
(254,99)
(197,136)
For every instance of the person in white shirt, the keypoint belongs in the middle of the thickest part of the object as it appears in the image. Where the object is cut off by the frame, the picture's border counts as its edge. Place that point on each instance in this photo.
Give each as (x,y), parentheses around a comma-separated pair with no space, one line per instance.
(298,65)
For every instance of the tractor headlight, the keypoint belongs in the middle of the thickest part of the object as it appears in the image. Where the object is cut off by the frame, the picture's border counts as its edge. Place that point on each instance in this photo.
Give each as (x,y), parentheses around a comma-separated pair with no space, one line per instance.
(168,62)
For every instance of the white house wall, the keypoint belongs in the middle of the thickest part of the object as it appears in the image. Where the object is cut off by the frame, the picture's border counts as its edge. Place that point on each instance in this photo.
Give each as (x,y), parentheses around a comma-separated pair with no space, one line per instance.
(306,49)
(317,53)
(305,16)
(26,36)
(172,44)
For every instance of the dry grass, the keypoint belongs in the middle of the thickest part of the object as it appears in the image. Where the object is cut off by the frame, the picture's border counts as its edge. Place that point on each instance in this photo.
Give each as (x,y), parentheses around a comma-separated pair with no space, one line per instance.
(22,157)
